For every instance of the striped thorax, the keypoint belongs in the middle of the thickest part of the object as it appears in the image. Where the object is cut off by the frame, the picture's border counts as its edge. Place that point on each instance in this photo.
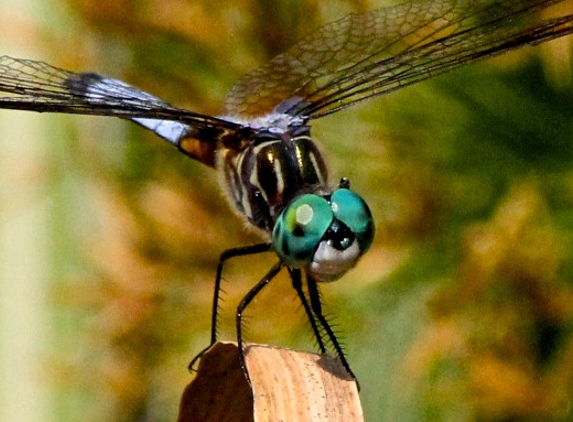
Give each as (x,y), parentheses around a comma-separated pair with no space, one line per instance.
(278,161)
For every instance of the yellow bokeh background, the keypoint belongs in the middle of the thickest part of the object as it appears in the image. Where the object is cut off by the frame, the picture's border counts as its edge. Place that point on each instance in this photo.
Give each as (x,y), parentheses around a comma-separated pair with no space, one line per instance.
(110,238)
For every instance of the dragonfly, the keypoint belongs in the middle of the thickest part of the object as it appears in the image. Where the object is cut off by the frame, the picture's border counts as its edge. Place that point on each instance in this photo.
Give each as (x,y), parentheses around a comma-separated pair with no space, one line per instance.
(272,172)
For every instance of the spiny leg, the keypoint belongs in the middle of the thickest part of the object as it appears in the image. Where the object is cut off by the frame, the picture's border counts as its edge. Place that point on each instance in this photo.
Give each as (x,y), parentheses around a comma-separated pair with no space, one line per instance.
(296,278)
(243,305)
(226,255)
(316,305)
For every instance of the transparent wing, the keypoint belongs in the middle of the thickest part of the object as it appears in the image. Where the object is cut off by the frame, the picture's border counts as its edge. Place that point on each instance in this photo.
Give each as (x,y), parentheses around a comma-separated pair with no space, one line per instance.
(37,86)
(367,55)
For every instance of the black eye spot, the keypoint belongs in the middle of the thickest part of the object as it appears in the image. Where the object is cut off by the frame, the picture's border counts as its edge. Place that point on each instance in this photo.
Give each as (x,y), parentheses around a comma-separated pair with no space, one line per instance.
(298,231)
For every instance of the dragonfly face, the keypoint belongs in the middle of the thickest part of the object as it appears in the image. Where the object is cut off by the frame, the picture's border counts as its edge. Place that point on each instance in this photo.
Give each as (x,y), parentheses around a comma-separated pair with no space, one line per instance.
(271,169)
(325,234)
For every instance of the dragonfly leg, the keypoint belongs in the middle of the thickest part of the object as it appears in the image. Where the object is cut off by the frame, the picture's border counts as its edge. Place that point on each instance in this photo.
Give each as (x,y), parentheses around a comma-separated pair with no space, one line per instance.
(316,305)
(265,217)
(243,305)
(296,278)
(226,255)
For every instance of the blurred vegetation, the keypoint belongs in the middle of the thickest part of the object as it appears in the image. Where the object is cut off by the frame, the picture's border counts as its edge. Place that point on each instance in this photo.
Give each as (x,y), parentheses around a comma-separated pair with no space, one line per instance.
(462,311)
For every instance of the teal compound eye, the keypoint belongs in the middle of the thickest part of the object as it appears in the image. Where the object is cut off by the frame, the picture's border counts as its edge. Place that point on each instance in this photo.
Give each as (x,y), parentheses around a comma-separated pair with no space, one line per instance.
(300,228)
(351,209)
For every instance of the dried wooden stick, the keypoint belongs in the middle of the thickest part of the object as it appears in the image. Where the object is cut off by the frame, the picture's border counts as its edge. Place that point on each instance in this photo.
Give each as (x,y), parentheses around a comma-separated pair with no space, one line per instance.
(287,385)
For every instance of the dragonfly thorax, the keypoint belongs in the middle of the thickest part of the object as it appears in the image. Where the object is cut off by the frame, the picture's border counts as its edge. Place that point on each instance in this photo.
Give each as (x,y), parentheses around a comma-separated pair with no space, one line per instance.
(269,170)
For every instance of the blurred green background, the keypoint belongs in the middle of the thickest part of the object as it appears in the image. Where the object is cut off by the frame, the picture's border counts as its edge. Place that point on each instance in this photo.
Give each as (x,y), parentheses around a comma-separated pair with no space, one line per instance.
(109,238)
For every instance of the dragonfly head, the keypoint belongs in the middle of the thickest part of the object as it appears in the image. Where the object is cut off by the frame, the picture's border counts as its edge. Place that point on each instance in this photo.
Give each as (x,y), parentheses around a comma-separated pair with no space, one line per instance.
(324,234)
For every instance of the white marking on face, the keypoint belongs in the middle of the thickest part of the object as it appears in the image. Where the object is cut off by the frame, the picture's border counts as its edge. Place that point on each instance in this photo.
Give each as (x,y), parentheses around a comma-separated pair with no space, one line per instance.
(329,264)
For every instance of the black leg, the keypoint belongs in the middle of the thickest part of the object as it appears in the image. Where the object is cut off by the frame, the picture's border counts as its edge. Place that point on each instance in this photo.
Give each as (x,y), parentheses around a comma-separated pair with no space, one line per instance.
(264,215)
(228,254)
(243,305)
(317,309)
(296,278)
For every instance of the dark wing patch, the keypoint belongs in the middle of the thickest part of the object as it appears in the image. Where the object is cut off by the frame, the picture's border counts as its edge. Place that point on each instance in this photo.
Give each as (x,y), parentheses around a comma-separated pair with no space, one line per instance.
(36,86)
